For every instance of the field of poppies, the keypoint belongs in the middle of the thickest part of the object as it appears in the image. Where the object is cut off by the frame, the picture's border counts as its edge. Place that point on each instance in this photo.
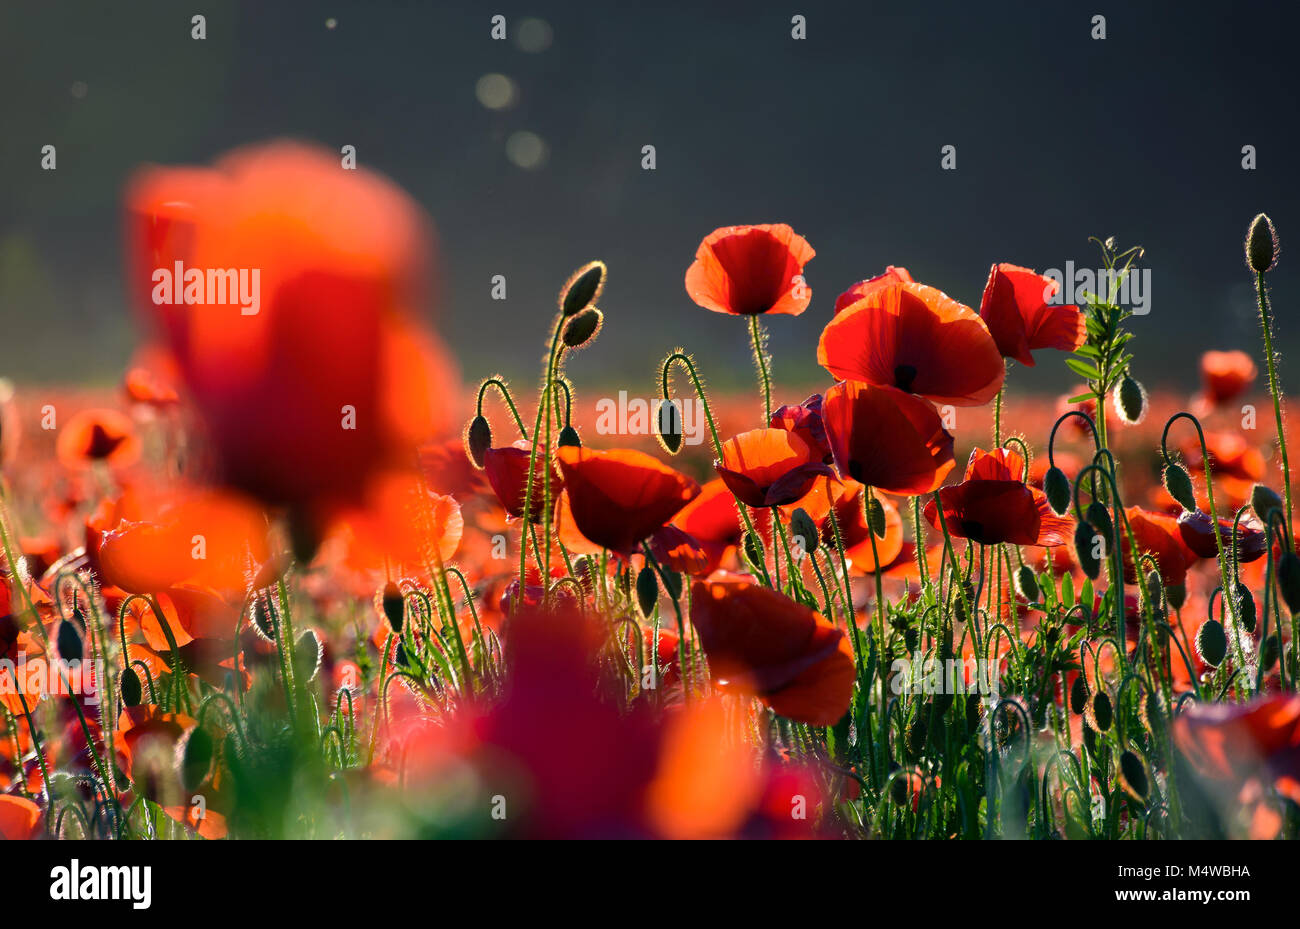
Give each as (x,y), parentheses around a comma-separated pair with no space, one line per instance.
(294,579)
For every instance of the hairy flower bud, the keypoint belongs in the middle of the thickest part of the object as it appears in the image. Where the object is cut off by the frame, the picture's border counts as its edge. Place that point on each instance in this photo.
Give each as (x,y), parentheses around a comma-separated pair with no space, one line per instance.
(583,288)
(1261,245)
(478,439)
(1057,487)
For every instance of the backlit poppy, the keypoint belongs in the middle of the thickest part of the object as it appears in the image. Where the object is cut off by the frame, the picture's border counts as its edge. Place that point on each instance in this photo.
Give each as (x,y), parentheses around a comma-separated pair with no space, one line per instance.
(679,551)
(769,467)
(1197,531)
(711,519)
(1158,535)
(993,504)
(98,436)
(619,498)
(915,338)
(762,643)
(749,270)
(507,472)
(1016,309)
(859,290)
(1237,741)
(885,438)
(1226,375)
(20,818)
(805,420)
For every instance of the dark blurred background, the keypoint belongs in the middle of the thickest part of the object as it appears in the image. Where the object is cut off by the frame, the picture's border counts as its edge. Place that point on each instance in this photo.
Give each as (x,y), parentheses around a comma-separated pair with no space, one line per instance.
(527,153)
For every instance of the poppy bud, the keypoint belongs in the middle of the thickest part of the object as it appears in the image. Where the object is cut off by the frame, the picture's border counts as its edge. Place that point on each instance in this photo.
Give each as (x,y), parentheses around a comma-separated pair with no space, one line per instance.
(1057,487)
(1131,400)
(1133,775)
(973,707)
(1288,580)
(1153,586)
(1177,595)
(128,685)
(582,289)
(876,516)
(1261,244)
(668,426)
(805,530)
(1078,696)
(584,570)
(1263,500)
(264,619)
(400,658)
(394,607)
(1179,485)
(1099,518)
(69,641)
(194,757)
(307,654)
(478,439)
(1027,582)
(1083,543)
(1268,652)
(898,787)
(647,591)
(569,437)
(915,738)
(1246,607)
(1211,643)
(1102,712)
(582,328)
(753,550)
(1090,738)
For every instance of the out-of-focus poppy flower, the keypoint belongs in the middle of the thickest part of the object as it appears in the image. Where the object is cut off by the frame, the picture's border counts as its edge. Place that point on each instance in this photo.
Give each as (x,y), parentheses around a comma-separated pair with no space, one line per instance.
(885,438)
(1197,530)
(679,551)
(507,472)
(98,435)
(855,532)
(1225,376)
(318,377)
(859,290)
(1089,408)
(403,524)
(711,519)
(918,339)
(805,421)
(1157,535)
(20,818)
(1232,460)
(761,642)
(769,467)
(992,504)
(143,386)
(1240,741)
(749,270)
(1015,308)
(619,498)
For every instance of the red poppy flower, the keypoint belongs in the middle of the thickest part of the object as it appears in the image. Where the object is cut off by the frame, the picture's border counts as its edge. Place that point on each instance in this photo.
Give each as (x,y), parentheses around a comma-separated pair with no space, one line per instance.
(1226,375)
(1239,741)
(748,270)
(805,421)
(1159,536)
(620,497)
(679,551)
(856,533)
(316,377)
(507,472)
(859,290)
(1015,308)
(768,467)
(761,642)
(1197,531)
(20,818)
(98,435)
(885,438)
(712,520)
(1231,457)
(915,338)
(993,504)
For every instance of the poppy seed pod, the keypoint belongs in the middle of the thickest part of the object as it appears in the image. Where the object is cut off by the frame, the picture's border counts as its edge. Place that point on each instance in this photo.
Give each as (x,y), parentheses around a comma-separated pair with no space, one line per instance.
(194,758)
(69,641)
(1288,580)
(1263,500)
(478,439)
(128,686)
(1027,583)
(1099,518)
(583,288)
(1179,484)
(394,607)
(803,528)
(1211,643)
(1131,400)
(1084,539)
(1133,774)
(569,437)
(1261,244)
(582,328)
(647,591)
(668,426)
(1057,487)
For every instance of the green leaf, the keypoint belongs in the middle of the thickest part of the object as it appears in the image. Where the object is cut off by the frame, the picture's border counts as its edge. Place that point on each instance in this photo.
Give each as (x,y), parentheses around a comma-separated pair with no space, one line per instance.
(1079,399)
(1083,369)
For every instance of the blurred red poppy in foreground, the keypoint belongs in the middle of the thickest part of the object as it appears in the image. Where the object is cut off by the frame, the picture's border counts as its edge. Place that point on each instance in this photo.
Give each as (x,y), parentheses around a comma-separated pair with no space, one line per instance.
(1015,308)
(993,504)
(885,438)
(769,467)
(749,270)
(761,642)
(619,498)
(1226,375)
(915,338)
(20,818)
(1234,741)
(305,362)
